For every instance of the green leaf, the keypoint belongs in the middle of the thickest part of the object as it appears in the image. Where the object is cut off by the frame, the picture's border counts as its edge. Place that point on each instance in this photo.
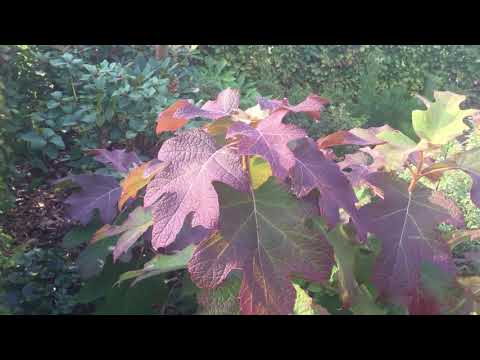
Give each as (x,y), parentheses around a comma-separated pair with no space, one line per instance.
(441,285)
(98,286)
(57,141)
(47,132)
(79,235)
(443,119)
(51,151)
(304,304)
(91,68)
(89,118)
(57,95)
(130,134)
(160,264)
(52,104)
(143,299)
(92,259)
(67,57)
(347,253)
(36,141)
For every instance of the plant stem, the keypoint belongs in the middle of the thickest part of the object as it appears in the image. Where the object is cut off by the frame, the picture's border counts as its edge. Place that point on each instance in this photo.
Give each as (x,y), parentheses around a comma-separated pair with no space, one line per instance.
(417,174)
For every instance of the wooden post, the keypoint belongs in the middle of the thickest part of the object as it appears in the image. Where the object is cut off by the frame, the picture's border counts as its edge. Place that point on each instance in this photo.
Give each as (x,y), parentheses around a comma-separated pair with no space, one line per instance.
(161,51)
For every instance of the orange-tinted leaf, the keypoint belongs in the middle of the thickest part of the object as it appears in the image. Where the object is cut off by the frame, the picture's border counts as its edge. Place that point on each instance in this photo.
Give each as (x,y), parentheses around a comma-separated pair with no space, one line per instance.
(167,120)
(101,233)
(343,137)
(434,172)
(134,182)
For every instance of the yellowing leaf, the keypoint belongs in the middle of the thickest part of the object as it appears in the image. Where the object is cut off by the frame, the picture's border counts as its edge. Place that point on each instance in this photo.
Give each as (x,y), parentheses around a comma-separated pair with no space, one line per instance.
(260,171)
(443,119)
(134,182)
(397,148)
(304,304)
(218,129)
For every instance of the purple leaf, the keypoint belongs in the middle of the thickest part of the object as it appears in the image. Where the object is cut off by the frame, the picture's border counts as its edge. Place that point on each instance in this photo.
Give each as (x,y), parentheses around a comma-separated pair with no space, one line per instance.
(120,160)
(361,164)
(313,171)
(97,192)
(313,105)
(262,233)
(226,103)
(269,140)
(357,136)
(185,185)
(406,223)
(188,235)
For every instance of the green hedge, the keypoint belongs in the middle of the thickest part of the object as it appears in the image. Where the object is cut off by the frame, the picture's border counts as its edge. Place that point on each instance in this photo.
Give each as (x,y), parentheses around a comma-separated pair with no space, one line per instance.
(329,68)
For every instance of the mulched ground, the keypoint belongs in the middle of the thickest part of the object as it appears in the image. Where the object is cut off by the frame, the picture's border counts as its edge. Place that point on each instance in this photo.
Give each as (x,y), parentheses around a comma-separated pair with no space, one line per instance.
(38,217)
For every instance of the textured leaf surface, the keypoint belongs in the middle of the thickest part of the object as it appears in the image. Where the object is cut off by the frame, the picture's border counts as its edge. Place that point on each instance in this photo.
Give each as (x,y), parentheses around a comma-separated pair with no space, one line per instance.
(120,160)
(406,224)
(269,140)
(222,300)
(138,221)
(97,192)
(185,185)
(264,235)
(443,119)
(313,171)
(440,292)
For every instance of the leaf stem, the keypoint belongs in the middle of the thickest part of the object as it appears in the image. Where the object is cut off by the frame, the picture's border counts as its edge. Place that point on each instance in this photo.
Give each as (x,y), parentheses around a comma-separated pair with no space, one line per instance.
(417,174)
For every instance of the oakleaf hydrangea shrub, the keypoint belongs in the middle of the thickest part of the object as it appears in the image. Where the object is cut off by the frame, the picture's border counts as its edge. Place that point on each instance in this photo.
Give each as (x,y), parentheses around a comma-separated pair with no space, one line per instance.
(261,216)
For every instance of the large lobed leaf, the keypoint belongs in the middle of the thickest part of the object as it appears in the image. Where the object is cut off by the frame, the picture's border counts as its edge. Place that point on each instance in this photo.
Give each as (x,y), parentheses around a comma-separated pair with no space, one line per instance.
(262,233)
(120,160)
(313,171)
(184,186)
(269,140)
(406,224)
(359,165)
(97,192)
(443,119)
(180,112)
